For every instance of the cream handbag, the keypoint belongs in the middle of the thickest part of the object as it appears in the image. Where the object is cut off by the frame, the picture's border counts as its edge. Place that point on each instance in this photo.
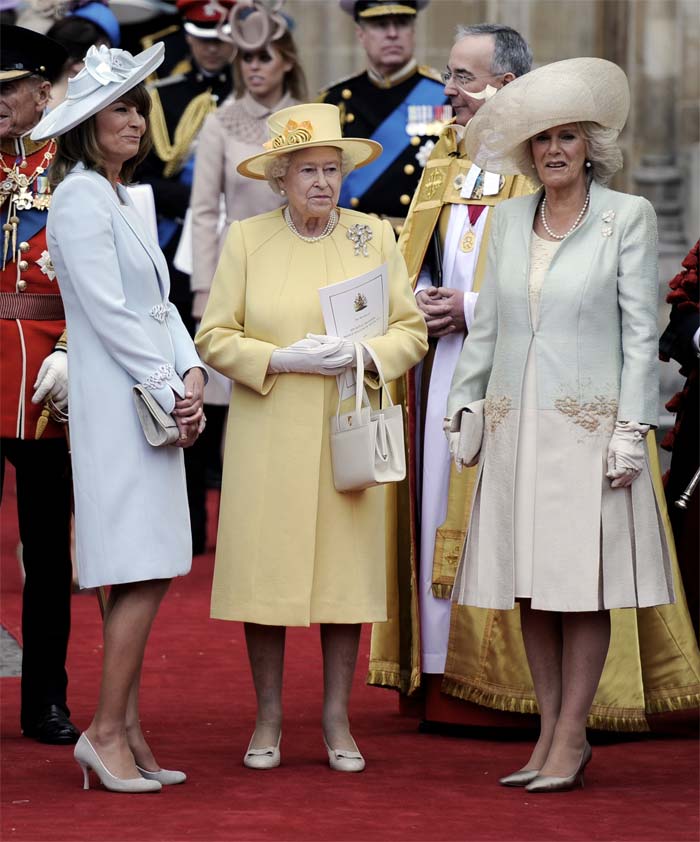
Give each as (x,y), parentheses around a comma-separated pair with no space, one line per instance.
(367,445)
(158,426)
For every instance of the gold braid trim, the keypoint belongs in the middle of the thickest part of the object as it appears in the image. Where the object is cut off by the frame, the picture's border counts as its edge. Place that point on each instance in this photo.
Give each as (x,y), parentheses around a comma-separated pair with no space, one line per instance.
(173,155)
(390,676)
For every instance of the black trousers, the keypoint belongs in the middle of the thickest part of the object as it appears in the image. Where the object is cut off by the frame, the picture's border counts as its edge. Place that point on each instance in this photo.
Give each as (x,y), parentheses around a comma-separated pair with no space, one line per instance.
(43,509)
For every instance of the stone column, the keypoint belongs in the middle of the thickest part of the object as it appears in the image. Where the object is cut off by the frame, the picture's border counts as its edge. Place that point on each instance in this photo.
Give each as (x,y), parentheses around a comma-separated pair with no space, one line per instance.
(658,176)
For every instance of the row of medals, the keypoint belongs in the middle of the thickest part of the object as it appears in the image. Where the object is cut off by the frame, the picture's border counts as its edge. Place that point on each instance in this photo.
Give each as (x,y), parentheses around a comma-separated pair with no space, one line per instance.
(18,186)
(427,120)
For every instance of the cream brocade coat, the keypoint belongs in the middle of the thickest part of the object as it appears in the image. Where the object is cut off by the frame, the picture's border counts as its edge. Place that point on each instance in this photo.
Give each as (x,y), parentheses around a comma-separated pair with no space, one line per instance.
(291,550)
(595,349)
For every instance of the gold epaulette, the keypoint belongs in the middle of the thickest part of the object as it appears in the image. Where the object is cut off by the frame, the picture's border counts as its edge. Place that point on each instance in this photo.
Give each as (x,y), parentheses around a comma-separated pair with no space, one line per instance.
(430,72)
(149,40)
(174,154)
(343,81)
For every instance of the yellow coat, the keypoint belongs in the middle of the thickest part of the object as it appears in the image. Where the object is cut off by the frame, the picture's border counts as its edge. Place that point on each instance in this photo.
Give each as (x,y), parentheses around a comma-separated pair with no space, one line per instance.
(291,550)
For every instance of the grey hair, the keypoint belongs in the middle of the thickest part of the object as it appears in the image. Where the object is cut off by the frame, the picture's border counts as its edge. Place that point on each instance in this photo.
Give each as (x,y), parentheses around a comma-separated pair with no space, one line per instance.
(277,167)
(603,150)
(511,53)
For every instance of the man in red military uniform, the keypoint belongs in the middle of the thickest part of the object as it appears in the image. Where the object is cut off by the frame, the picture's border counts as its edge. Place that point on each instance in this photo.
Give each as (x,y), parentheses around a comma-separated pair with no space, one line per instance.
(34,382)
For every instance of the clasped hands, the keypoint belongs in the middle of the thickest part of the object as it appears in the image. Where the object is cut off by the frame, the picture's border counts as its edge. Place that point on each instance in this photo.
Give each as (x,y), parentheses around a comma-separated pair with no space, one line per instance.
(443,310)
(316,354)
(189,410)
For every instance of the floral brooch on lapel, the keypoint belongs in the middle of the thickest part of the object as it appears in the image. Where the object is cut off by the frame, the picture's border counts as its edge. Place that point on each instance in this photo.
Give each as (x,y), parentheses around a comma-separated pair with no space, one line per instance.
(360,235)
(607,216)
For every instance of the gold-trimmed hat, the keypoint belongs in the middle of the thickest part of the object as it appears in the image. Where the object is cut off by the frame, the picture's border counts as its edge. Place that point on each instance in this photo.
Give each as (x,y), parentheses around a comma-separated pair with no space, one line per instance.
(369,9)
(575,90)
(28,53)
(303,127)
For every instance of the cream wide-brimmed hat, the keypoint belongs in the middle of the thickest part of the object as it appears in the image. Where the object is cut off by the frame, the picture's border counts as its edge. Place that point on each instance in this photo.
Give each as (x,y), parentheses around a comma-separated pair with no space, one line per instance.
(571,91)
(303,127)
(107,75)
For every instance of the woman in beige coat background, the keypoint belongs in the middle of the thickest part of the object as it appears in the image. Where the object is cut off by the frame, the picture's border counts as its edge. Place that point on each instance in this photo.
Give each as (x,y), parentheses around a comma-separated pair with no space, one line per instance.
(291,550)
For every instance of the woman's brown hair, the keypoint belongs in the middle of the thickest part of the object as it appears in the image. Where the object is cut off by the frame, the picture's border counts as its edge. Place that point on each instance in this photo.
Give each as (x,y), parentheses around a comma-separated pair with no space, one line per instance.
(294,79)
(80,146)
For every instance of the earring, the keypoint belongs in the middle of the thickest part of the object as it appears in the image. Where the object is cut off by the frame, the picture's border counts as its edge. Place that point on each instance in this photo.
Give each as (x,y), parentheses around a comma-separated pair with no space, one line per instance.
(283,192)
(588,165)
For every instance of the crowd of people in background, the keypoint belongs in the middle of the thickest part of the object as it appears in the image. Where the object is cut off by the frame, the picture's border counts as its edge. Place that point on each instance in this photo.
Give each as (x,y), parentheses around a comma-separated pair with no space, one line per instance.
(172,202)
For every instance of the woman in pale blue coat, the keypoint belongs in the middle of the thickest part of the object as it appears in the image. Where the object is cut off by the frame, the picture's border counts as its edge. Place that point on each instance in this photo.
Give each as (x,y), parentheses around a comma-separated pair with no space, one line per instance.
(561,368)
(131,515)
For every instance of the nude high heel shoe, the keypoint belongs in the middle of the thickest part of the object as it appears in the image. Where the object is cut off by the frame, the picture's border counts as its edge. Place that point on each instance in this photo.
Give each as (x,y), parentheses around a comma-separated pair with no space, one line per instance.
(342,760)
(554,783)
(88,758)
(520,778)
(263,758)
(166,777)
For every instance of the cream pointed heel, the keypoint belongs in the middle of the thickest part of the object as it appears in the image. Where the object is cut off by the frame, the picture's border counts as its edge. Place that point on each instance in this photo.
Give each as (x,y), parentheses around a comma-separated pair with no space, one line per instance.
(165,777)
(88,758)
(341,760)
(263,758)
(520,778)
(554,783)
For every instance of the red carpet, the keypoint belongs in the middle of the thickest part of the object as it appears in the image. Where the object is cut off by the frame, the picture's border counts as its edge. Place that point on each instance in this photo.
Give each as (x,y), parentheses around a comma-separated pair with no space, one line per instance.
(198,710)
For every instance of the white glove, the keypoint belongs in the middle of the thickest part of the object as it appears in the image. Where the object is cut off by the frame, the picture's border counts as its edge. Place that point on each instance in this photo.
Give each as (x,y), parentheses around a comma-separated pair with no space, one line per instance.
(52,380)
(310,356)
(347,347)
(626,453)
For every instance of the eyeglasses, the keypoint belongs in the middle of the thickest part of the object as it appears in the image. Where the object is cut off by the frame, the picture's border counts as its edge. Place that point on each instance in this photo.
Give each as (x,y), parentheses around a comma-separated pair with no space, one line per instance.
(461,78)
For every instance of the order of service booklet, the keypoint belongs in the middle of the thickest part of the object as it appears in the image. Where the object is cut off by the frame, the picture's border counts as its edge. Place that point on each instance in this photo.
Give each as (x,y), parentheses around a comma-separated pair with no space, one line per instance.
(357,308)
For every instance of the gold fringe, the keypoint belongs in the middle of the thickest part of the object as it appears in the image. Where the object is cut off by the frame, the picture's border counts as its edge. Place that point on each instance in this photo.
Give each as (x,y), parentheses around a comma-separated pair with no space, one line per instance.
(666,705)
(441,591)
(497,701)
(394,679)
(174,154)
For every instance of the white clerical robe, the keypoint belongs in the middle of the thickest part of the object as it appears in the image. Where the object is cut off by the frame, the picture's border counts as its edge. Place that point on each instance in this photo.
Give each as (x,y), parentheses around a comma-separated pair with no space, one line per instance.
(458,269)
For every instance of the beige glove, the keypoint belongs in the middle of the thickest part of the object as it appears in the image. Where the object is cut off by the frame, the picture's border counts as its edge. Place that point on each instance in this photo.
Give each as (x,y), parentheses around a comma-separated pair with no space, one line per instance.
(52,380)
(311,356)
(626,453)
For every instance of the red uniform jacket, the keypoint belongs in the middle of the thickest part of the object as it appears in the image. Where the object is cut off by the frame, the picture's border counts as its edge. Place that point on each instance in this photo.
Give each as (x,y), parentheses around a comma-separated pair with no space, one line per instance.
(27,335)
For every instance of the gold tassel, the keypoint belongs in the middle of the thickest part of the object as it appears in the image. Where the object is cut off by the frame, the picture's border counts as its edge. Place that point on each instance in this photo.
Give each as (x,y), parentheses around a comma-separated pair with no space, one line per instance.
(43,422)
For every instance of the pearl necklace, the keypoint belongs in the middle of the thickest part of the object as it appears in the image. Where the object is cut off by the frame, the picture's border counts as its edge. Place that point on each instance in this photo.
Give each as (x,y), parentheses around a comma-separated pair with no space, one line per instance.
(330,225)
(573,227)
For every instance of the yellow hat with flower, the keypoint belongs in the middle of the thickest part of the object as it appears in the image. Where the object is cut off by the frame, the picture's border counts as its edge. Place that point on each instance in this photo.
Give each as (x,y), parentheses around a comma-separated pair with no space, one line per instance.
(304,127)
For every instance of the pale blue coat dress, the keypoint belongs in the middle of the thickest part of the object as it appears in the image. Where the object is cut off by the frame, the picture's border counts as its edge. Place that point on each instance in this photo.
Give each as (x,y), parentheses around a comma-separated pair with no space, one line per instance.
(131,513)
(593,353)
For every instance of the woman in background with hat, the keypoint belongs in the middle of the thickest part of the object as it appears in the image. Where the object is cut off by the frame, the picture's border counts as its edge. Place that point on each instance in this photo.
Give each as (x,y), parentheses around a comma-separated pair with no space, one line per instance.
(563,350)
(267,77)
(291,550)
(131,516)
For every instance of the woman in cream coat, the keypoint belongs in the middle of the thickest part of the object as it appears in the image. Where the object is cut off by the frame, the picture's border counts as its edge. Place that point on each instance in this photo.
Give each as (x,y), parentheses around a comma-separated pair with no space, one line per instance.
(564,352)
(131,515)
(291,550)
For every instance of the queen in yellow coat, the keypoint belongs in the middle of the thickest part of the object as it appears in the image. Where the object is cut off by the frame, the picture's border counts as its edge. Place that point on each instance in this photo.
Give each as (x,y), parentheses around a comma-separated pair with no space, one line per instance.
(291,550)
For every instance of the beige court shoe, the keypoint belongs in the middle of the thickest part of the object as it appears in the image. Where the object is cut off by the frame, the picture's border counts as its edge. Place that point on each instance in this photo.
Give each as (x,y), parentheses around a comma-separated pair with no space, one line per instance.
(166,777)
(554,783)
(88,758)
(342,760)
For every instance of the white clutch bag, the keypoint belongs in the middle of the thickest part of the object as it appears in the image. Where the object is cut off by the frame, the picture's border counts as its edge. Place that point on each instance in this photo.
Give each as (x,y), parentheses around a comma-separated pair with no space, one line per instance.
(469,423)
(158,426)
(367,445)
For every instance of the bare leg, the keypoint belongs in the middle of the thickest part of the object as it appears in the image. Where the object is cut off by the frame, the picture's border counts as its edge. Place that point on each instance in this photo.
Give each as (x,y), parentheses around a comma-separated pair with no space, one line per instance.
(586,637)
(266,656)
(130,612)
(339,643)
(542,636)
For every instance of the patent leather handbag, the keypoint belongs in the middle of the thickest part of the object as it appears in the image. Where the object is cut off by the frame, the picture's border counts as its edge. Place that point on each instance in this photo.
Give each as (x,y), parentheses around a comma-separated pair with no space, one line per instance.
(367,445)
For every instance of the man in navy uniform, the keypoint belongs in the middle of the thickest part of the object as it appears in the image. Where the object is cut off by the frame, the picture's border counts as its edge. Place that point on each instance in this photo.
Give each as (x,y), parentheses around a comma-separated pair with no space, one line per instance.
(395,101)
(34,376)
(180,105)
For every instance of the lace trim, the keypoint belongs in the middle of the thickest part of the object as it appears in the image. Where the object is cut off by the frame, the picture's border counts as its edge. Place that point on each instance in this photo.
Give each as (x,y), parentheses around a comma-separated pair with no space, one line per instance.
(159,312)
(588,415)
(159,377)
(495,411)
